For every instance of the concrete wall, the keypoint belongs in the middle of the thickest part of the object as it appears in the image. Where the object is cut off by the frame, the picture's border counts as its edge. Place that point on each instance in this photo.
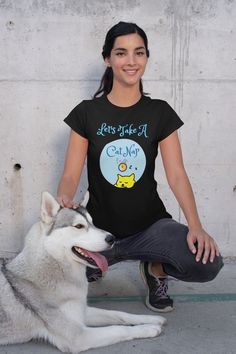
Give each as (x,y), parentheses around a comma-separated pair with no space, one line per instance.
(50,60)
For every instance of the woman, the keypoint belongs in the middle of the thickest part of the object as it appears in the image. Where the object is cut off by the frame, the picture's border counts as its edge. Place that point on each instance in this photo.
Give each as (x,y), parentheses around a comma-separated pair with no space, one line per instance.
(119,132)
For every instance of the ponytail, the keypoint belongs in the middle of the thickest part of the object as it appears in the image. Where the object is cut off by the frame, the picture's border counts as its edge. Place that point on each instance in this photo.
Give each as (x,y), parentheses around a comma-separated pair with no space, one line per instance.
(106,83)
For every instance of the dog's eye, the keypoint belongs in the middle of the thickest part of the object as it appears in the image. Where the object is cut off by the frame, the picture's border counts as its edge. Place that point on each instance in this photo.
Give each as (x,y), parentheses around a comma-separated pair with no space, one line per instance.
(79,226)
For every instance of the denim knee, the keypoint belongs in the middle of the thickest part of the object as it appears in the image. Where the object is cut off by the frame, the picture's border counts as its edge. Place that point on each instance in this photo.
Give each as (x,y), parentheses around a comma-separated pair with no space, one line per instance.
(215,267)
(201,273)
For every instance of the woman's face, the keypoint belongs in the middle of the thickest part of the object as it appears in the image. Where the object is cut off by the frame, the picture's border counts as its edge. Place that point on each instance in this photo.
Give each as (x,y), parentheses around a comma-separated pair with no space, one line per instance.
(128,59)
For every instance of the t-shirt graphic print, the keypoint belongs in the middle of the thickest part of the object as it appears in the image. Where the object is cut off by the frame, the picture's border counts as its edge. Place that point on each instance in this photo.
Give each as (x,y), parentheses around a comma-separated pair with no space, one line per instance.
(123,145)
(122,162)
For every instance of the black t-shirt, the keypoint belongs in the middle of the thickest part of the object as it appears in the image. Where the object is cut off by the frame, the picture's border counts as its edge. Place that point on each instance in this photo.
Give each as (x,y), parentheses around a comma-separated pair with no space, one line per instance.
(123,145)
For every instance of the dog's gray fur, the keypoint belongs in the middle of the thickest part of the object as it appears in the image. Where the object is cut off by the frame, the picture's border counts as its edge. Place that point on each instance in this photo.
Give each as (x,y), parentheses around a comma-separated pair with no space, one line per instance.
(44,288)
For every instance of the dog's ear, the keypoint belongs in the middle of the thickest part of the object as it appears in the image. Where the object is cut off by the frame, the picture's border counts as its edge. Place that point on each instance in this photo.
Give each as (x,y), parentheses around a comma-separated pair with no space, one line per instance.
(49,208)
(84,201)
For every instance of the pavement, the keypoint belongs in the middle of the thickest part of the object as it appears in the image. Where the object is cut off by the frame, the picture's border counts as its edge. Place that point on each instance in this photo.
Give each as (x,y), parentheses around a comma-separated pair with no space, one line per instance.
(203,322)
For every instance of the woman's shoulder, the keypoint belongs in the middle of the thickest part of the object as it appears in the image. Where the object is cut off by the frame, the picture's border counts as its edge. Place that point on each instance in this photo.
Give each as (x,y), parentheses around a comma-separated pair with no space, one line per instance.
(84,105)
(157,102)
(87,103)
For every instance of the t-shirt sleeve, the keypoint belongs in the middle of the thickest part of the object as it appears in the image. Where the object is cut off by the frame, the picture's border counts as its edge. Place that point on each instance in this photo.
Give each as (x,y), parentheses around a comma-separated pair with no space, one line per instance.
(77,119)
(170,121)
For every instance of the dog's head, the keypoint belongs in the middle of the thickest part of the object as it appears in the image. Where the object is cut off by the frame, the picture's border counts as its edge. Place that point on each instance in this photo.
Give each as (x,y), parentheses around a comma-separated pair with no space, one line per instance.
(70,234)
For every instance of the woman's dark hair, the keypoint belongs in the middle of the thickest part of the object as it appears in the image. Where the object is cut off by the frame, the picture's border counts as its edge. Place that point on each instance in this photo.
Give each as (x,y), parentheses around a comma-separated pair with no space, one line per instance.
(120,29)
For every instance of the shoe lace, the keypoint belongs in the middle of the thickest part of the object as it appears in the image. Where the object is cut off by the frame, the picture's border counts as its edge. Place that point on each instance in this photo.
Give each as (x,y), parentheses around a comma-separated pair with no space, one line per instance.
(162,287)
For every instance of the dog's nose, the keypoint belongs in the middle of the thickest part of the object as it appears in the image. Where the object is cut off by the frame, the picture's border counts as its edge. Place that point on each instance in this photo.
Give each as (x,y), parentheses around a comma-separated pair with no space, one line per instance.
(110,239)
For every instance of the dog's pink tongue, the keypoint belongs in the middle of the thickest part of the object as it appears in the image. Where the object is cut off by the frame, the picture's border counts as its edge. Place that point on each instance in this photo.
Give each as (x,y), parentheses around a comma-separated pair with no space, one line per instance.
(99,259)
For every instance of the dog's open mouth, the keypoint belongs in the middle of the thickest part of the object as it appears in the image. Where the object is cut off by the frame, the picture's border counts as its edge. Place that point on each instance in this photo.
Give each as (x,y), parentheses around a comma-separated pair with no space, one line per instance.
(93,258)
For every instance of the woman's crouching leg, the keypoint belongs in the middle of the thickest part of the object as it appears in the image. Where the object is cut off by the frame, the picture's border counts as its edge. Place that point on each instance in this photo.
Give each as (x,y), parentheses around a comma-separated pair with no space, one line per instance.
(185,267)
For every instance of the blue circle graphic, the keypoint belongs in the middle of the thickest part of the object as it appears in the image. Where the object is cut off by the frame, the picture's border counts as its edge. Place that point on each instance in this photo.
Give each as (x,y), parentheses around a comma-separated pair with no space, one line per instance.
(122,158)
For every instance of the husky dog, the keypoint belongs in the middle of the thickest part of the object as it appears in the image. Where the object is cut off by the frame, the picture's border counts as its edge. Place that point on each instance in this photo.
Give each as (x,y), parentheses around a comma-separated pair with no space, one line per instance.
(44,288)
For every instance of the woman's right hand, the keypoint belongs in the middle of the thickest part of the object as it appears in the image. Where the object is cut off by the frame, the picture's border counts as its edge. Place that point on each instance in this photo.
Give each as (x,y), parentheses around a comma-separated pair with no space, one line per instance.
(74,163)
(66,202)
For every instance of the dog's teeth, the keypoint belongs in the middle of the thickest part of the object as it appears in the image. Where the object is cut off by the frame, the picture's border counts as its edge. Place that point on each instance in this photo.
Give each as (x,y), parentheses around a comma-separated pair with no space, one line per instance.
(80,251)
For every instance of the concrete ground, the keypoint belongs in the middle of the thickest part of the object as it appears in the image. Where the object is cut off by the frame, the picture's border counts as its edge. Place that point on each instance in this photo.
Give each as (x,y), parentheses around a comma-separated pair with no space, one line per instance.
(203,322)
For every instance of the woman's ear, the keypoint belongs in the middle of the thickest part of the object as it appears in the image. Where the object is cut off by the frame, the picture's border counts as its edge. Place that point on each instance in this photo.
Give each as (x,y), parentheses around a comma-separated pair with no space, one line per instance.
(107,62)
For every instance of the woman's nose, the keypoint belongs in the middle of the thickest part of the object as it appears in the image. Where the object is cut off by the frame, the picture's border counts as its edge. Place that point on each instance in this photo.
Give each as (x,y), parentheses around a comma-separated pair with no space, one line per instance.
(131,59)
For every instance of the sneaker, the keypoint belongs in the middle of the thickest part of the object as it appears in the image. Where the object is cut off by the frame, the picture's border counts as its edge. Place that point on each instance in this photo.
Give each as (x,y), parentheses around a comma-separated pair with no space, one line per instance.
(157,298)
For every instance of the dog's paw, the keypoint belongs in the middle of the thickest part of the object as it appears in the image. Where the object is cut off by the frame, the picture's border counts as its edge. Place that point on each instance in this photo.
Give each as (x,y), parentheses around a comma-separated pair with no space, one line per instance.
(147,330)
(161,320)
(152,330)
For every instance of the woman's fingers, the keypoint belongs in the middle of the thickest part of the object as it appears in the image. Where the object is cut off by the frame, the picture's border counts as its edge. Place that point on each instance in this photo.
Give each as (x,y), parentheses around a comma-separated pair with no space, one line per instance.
(203,245)
(66,202)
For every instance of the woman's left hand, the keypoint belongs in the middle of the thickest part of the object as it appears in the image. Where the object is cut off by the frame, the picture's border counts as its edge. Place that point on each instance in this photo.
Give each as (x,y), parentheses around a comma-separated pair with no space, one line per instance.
(202,244)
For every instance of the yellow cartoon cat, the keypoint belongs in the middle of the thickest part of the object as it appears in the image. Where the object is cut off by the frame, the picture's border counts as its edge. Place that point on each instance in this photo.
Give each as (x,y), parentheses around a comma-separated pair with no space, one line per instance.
(125,181)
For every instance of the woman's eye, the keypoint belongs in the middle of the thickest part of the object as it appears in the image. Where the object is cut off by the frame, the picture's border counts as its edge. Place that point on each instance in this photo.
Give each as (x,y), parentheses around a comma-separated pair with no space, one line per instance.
(140,53)
(79,226)
(119,54)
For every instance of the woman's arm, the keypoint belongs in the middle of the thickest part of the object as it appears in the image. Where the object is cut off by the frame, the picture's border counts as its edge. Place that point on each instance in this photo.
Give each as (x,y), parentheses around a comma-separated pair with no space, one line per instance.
(74,162)
(179,183)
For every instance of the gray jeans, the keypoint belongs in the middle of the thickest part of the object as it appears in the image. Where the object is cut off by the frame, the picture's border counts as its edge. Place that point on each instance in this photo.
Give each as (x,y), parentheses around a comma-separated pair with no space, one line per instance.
(165,242)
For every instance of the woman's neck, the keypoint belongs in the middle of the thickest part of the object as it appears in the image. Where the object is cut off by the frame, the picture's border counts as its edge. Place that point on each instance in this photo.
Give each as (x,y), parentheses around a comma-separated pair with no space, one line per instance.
(125,96)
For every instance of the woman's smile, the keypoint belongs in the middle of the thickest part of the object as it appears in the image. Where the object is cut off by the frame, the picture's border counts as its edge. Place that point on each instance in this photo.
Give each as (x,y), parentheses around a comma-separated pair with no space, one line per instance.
(131,72)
